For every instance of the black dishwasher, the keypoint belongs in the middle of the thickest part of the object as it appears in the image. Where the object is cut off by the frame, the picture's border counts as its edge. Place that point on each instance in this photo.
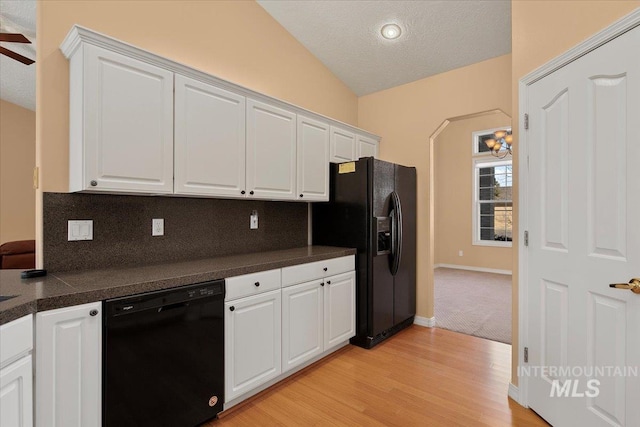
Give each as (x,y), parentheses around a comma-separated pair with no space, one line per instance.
(163,357)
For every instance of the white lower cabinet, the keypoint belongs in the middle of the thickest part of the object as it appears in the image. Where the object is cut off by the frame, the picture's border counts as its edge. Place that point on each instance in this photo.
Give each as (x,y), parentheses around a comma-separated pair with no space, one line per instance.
(69,366)
(252,342)
(302,323)
(339,309)
(16,393)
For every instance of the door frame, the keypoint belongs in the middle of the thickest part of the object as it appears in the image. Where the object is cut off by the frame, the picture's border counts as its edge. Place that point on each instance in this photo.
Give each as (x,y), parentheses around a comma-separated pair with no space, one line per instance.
(616,29)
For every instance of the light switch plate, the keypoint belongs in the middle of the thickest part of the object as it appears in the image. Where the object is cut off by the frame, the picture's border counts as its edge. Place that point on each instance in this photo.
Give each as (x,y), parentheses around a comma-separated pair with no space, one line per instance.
(157,227)
(79,230)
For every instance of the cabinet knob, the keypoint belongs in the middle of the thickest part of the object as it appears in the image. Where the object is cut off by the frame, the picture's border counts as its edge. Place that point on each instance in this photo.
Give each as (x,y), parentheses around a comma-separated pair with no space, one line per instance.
(322,284)
(94,183)
(325,269)
(251,192)
(232,308)
(257,284)
(242,192)
(93,312)
(328,282)
(301,196)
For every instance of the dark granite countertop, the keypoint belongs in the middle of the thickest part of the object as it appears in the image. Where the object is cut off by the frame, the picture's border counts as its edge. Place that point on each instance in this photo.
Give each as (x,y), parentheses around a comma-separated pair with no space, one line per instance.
(65,289)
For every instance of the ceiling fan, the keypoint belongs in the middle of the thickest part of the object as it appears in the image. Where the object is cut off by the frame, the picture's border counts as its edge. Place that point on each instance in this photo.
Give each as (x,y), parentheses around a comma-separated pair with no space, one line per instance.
(14,38)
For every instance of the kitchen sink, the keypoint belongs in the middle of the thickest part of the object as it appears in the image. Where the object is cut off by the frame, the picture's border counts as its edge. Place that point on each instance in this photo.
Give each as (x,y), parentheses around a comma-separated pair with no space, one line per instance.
(6,297)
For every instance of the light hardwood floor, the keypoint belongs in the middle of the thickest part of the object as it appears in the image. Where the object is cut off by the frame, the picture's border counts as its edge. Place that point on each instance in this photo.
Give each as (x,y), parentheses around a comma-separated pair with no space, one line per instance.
(420,377)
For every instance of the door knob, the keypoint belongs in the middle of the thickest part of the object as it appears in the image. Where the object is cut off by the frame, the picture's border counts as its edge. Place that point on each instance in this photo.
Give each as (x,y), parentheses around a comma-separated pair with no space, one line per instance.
(634,285)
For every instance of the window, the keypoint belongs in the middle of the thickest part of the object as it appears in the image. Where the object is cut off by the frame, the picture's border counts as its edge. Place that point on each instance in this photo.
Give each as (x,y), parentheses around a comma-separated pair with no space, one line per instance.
(493,203)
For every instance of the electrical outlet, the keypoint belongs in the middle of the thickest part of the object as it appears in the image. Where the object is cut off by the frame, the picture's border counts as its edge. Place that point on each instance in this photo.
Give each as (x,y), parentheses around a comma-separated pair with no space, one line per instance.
(253,221)
(460,253)
(157,227)
(79,230)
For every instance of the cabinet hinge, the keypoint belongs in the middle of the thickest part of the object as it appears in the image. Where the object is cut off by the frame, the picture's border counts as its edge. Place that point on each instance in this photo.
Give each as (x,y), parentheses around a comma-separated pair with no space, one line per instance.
(526,120)
(526,238)
(526,355)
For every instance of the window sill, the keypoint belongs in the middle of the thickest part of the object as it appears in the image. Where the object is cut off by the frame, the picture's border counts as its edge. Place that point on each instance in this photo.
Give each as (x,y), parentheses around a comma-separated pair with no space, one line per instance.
(493,243)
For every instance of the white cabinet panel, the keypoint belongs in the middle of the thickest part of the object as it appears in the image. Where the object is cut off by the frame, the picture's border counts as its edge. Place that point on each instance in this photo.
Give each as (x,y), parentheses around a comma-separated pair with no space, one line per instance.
(313,160)
(69,366)
(339,309)
(271,152)
(343,145)
(252,284)
(16,394)
(209,139)
(366,147)
(302,323)
(121,124)
(16,338)
(252,342)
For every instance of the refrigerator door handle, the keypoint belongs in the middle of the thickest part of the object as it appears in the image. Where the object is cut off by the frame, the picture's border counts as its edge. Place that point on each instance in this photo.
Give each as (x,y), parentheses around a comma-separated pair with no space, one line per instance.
(396,226)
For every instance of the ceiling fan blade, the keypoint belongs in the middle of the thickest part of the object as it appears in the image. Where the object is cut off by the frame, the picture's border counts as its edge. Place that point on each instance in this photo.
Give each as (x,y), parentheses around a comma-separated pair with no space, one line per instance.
(13,38)
(16,56)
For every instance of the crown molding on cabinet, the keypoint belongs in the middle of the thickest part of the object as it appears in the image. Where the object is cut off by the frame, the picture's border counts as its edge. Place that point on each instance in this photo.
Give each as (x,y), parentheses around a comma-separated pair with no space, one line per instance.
(78,35)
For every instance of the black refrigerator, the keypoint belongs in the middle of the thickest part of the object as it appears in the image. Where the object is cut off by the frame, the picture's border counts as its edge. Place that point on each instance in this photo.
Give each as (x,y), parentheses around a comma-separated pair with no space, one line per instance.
(372,208)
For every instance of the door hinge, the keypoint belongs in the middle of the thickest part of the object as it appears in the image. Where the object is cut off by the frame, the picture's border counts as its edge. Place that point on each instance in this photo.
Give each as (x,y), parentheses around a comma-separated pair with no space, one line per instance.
(526,355)
(526,120)
(526,238)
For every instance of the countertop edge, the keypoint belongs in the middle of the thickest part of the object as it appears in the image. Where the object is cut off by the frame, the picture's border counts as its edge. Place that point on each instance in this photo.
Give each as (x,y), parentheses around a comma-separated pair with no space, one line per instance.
(77,295)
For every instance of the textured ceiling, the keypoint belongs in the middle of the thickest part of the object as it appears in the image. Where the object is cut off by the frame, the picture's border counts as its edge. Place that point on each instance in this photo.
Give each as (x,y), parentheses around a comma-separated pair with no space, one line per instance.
(437,36)
(18,81)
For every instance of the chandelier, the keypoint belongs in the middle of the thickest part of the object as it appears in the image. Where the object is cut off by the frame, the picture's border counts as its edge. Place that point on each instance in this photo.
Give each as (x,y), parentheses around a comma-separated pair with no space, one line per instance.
(500,144)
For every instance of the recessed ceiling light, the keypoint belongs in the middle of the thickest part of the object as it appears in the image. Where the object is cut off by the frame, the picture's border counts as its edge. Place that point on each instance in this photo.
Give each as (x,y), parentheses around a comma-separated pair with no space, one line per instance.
(391,31)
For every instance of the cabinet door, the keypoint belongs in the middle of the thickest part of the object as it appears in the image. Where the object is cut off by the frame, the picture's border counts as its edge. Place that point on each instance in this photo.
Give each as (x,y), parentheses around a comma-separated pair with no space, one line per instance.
(313,160)
(16,396)
(271,152)
(339,309)
(367,147)
(252,342)
(128,124)
(302,323)
(69,366)
(343,145)
(209,140)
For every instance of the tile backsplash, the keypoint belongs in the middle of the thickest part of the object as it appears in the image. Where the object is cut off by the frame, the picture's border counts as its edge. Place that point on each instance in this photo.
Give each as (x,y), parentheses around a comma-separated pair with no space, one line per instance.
(193,228)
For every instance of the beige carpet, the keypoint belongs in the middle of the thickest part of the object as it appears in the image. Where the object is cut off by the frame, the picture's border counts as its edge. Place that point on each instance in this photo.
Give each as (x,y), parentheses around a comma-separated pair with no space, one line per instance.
(473,303)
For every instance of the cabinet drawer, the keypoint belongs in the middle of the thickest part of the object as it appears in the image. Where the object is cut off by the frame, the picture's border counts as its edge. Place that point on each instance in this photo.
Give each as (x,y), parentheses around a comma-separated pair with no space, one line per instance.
(316,270)
(252,284)
(16,338)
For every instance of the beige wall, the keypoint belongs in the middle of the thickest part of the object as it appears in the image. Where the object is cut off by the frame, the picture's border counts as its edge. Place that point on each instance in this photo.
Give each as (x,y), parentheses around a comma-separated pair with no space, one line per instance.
(453,167)
(406,116)
(235,40)
(17,159)
(542,30)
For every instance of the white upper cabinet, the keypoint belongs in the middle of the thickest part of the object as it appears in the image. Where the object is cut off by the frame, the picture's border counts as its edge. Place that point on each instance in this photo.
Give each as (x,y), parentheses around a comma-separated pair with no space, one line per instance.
(271,152)
(209,140)
(121,124)
(313,160)
(366,147)
(142,123)
(343,145)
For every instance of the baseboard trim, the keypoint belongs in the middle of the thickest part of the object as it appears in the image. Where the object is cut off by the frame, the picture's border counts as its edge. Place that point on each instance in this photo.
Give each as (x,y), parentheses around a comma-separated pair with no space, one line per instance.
(428,322)
(471,268)
(514,393)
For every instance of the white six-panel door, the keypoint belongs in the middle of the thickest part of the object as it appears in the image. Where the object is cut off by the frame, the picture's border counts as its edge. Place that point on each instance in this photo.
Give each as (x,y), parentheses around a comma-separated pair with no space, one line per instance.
(209,140)
(584,226)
